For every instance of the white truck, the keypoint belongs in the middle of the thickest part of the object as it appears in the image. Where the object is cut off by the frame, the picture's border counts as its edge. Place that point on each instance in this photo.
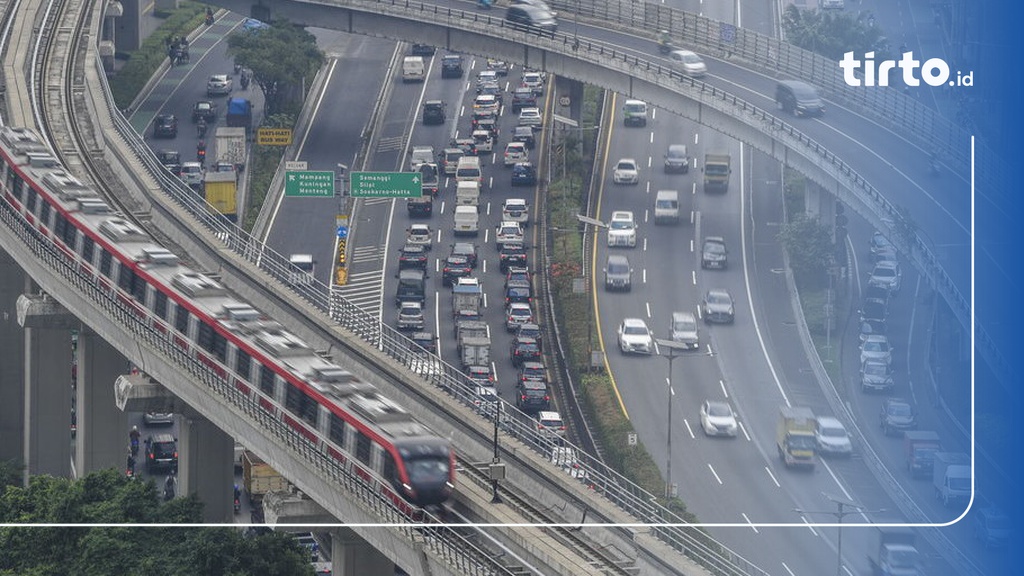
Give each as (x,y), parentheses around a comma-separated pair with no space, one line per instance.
(230,145)
(302,269)
(896,554)
(467,299)
(951,476)
(474,343)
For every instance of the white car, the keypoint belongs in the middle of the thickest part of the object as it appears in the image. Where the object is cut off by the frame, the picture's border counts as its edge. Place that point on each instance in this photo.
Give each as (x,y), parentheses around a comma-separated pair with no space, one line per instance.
(832,437)
(486,76)
(551,423)
(626,172)
(516,315)
(420,155)
(516,210)
(219,85)
(534,81)
(688,63)
(635,337)
(876,347)
(516,152)
(486,102)
(887,273)
(717,419)
(531,117)
(622,229)
(192,173)
(420,234)
(508,232)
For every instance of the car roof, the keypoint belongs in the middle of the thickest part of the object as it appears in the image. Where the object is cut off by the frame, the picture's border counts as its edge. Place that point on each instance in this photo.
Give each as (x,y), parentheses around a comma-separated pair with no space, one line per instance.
(681,148)
(630,160)
(718,404)
(622,215)
(830,422)
(634,322)
(519,306)
(876,338)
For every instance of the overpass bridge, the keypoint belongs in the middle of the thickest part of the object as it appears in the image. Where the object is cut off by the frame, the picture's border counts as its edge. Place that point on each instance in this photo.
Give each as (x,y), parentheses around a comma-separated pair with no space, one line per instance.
(238,256)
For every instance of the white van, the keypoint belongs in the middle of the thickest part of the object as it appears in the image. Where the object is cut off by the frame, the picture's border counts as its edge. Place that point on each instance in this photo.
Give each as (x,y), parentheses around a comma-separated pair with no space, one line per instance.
(467,221)
(467,193)
(634,113)
(413,69)
(666,207)
(469,169)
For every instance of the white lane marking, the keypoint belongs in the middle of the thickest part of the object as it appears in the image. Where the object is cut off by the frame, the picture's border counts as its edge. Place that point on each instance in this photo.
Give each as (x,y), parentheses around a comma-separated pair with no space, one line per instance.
(744,430)
(787,569)
(437,319)
(643,246)
(693,275)
(691,239)
(696,137)
(688,429)
(652,142)
(772,476)
(716,476)
(752,527)
(809,526)
(647,305)
(720,382)
(711,353)
(644,274)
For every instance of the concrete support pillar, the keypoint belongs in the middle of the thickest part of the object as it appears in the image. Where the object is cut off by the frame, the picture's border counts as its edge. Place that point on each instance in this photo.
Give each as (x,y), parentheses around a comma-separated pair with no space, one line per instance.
(127,32)
(206,466)
(353,556)
(102,427)
(47,392)
(12,362)
(813,200)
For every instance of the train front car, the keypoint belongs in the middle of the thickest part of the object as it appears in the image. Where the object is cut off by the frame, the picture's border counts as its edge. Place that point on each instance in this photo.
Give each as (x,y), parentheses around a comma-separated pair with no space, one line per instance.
(427,473)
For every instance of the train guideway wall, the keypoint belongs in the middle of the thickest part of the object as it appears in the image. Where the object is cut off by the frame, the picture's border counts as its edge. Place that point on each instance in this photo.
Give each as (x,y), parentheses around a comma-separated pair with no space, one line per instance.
(12,341)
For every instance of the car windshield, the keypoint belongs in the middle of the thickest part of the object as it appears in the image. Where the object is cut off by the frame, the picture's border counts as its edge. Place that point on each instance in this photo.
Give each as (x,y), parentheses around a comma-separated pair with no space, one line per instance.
(618,268)
(876,347)
(625,166)
(635,330)
(716,169)
(884,272)
(634,108)
(714,248)
(429,470)
(666,204)
(719,410)
(899,410)
(621,225)
(689,59)
(833,432)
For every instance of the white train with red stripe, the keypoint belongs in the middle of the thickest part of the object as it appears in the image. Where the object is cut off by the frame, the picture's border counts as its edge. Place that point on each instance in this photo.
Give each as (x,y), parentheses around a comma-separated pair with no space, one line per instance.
(345,417)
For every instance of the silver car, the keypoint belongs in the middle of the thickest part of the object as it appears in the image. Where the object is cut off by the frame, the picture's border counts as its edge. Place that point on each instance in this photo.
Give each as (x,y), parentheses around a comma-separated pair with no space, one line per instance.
(718,307)
(876,347)
(219,85)
(634,337)
(886,273)
(683,329)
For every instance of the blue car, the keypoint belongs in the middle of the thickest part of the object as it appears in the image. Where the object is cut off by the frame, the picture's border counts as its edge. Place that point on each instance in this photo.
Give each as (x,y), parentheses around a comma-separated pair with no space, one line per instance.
(524,174)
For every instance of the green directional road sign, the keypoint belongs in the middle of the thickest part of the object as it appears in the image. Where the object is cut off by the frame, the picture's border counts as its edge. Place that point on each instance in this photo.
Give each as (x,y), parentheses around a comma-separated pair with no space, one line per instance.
(387,185)
(309,183)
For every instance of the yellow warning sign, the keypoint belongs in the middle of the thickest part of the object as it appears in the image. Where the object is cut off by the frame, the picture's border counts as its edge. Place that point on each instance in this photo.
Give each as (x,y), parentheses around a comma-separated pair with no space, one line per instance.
(274,136)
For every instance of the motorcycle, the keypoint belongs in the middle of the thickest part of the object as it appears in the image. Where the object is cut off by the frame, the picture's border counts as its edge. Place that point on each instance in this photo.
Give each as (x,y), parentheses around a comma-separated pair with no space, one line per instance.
(485,4)
(169,486)
(201,152)
(135,447)
(238,500)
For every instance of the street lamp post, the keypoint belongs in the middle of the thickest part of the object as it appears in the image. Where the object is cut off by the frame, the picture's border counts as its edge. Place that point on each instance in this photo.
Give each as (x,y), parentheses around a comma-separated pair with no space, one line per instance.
(673,348)
(840,513)
(495,463)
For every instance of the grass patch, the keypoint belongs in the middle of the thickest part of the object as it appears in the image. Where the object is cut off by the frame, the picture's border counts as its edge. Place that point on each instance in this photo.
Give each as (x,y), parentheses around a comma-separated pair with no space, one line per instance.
(264,163)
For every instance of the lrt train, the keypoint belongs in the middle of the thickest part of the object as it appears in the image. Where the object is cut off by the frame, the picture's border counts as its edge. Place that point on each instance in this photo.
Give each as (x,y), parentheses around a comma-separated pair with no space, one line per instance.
(345,417)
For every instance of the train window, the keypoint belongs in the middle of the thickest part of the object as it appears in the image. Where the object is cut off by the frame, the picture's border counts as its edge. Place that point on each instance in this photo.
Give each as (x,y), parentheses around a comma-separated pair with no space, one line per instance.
(138,287)
(44,214)
(88,247)
(124,278)
(363,447)
(160,304)
(243,363)
(205,337)
(267,381)
(106,262)
(30,203)
(180,318)
(389,466)
(338,430)
(60,228)
(14,183)
(308,410)
(293,399)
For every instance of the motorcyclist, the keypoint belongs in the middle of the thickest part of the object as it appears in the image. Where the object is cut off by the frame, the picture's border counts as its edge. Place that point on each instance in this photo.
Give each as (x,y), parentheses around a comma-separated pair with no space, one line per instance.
(209,16)
(238,499)
(201,127)
(664,40)
(130,468)
(133,438)
(169,487)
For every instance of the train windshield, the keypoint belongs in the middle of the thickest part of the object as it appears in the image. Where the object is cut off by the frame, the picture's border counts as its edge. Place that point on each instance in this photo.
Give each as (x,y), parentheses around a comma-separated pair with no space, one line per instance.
(427,470)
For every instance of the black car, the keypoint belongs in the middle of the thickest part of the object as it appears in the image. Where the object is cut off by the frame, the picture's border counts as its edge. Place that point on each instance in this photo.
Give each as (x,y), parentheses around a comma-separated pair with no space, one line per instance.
(532,16)
(524,174)
(896,416)
(524,349)
(451,66)
(490,124)
(798,98)
(531,330)
(713,253)
(421,207)
(467,249)
(512,254)
(171,160)
(481,375)
(455,267)
(525,135)
(431,178)
(534,371)
(424,341)
(532,396)
(161,453)
(165,126)
(523,97)
(422,50)
(204,109)
(517,277)
(518,294)
(412,256)
(434,112)
(676,159)
(874,310)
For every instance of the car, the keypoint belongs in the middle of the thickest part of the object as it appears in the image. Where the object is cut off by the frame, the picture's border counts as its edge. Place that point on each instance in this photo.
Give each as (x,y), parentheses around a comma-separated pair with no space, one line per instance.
(683,329)
(618,274)
(875,375)
(517,314)
(485,76)
(626,172)
(482,375)
(487,102)
(516,210)
(551,423)
(467,249)
(171,160)
(421,207)
(531,117)
(566,458)
(534,81)
(451,66)
(500,67)
(832,437)
(677,160)
(532,396)
(713,253)
(525,135)
(204,109)
(518,294)
(874,310)
(430,178)
(622,229)
(165,126)
(882,254)
(717,419)
(896,415)
(508,231)
(886,273)
(517,276)
(455,267)
(158,418)
(512,254)
(798,98)
(434,112)
(487,123)
(423,341)
(468,147)
(879,243)
(420,234)
(486,401)
(219,85)
(531,330)
(718,306)
(410,316)
(876,347)
(422,50)
(877,291)
(524,349)
(524,174)
(870,327)
(515,152)
(420,155)
(484,140)
(523,97)
(688,63)
(412,256)
(492,89)
(634,337)
(992,527)
(161,453)
(535,371)
(192,174)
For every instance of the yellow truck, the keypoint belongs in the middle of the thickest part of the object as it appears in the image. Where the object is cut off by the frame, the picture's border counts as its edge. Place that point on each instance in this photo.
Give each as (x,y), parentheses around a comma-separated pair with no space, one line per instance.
(258,477)
(221,190)
(716,169)
(794,436)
